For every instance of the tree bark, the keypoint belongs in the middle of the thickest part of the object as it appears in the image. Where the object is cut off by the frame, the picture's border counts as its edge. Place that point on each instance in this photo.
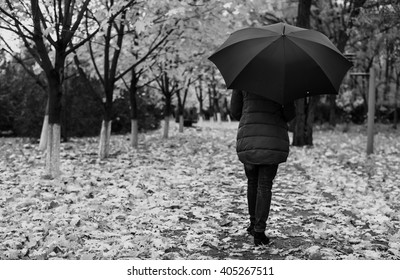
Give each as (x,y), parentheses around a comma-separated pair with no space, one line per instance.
(311,103)
(303,128)
(219,118)
(181,122)
(45,129)
(54,126)
(104,147)
(332,110)
(105,133)
(299,127)
(210,104)
(134,133)
(134,110)
(216,108)
(180,111)
(396,93)
(66,111)
(166,127)
(167,114)
(181,104)
(304,13)
(53,151)
(200,98)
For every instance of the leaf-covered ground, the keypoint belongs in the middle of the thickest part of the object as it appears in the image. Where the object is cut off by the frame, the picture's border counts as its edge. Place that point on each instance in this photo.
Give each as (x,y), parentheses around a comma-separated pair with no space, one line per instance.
(185,198)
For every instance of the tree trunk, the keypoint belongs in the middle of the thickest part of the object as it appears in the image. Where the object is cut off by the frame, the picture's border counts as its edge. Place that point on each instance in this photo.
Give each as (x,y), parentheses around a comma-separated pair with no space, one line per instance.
(303,13)
(181,120)
(105,133)
(395,116)
(134,133)
(312,102)
(104,146)
(210,104)
(180,110)
(53,150)
(302,134)
(166,127)
(54,127)
(299,127)
(45,129)
(219,118)
(216,109)
(134,111)
(167,115)
(66,110)
(332,110)
(201,110)
(303,129)
(226,110)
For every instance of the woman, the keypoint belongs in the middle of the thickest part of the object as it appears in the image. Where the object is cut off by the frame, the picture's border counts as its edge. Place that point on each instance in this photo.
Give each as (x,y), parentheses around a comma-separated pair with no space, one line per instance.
(262,144)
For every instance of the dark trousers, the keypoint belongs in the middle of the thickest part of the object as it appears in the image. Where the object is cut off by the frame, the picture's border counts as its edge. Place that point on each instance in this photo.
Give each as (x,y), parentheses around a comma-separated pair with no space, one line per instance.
(259,185)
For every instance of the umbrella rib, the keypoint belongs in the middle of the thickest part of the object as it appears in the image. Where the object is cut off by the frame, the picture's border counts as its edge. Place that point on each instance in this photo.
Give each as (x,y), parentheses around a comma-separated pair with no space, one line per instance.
(223,47)
(250,60)
(293,39)
(336,51)
(322,39)
(313,58)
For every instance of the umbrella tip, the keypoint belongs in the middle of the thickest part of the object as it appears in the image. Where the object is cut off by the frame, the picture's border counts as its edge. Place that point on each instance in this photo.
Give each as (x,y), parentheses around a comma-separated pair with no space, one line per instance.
(283,31)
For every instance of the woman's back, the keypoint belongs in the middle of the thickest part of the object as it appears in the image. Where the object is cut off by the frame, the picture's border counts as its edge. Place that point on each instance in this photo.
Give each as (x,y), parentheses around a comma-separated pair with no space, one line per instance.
(263,132)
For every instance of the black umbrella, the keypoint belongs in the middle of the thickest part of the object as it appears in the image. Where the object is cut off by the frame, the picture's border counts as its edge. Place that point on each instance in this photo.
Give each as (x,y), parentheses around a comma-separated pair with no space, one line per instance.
(281,62)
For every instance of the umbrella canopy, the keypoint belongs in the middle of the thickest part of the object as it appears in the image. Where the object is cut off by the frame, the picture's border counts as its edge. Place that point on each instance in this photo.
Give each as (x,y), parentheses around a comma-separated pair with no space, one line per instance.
(281,62)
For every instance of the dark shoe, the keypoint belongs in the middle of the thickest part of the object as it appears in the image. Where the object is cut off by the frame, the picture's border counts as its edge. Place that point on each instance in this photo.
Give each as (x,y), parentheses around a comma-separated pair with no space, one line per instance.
(260,238)
(250,229)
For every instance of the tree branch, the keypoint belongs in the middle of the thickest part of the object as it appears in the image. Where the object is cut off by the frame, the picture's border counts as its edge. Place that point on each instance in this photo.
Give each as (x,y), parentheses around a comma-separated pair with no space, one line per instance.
(48,37)
(26,68)
(117,52)
(150,51)
(68,36)
(45,61)
(75,47)
(16,20)
(123,9)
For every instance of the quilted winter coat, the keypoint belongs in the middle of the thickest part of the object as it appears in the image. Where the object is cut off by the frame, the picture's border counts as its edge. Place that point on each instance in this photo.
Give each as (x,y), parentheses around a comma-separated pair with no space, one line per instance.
(262,136)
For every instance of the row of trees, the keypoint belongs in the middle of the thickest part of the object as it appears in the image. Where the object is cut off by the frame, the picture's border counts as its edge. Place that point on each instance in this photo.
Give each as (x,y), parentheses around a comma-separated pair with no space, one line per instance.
(134,48)
(23,104)
(117,42)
